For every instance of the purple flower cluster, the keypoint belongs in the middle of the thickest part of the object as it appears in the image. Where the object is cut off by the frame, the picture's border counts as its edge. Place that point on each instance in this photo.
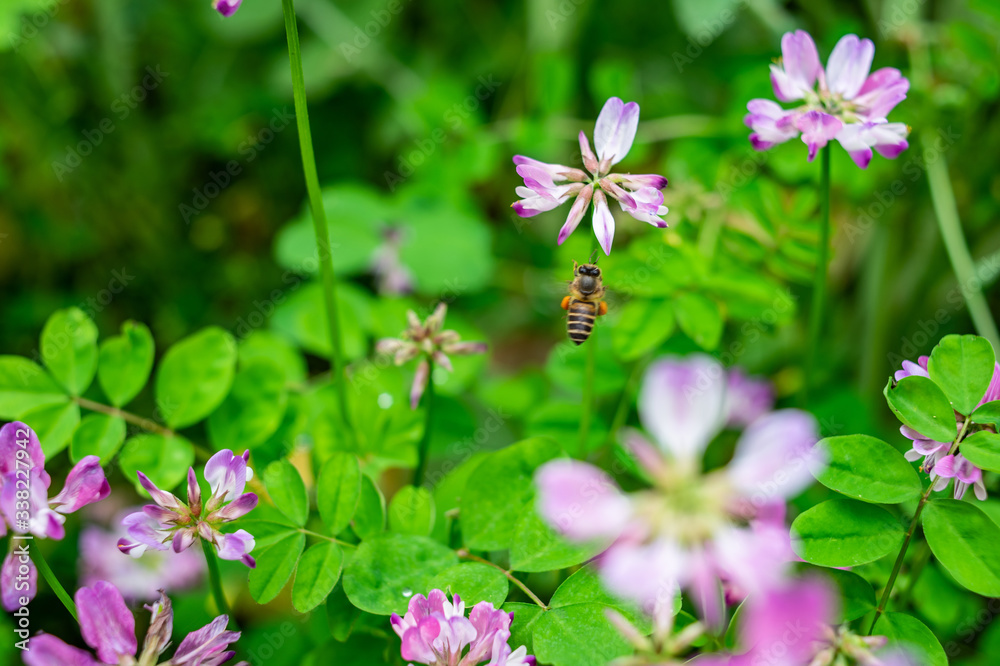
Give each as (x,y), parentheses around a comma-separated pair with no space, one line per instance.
(435,631)
(843,102)
(172,521)
(25,506)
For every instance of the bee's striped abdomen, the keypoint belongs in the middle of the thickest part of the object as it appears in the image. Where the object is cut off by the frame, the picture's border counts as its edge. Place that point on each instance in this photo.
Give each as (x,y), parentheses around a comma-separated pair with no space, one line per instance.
(580,321)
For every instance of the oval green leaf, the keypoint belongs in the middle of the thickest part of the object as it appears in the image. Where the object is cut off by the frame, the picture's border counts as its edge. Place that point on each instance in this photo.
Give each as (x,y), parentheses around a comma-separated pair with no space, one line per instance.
(982,449)
(474,582)
(316,575)
(411,511)
(577,635)
(911,634)
(868,469)
(987,413)
(288,491)
(369,519)
(537,547)
(856,593)
(165,460)
(643,325)
(195,376)
(338,489)
(389,569)
(585,586)
(962,367)
(69,348)
(920,404)
(845,533)
(275,565)
(54,425)
(254,408)
(99,435)
(125,362)
(700,318)
(964,540)
(26,386)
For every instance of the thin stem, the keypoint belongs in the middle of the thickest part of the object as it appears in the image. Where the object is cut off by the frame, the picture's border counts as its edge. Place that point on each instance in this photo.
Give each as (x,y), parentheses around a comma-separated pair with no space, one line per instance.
(146,424)
(466,555)
(328,538)
(50,578)
(587,405)
(909,535)
(424,449)
(215,580)
(822,266)
(316,205)
(946,211)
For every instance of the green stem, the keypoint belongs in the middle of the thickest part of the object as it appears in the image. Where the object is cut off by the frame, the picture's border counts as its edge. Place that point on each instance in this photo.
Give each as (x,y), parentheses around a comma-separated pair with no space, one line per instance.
(946,211)
(909,535)
(822,266)
(587,404)
(466,555)
(316,205)
(50,578)
(215,580)
(425,441)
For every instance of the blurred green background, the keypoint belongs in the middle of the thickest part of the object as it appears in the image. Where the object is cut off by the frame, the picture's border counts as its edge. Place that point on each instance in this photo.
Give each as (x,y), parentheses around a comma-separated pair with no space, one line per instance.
(151,171)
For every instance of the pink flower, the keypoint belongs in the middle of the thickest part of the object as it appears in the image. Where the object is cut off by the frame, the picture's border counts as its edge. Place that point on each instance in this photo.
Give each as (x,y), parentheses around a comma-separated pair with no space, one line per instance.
(23,462)
(108,627)
(172,521)
(226,7)
(435,631)
(843,102)
(748,398)
(547,186)
(691,529)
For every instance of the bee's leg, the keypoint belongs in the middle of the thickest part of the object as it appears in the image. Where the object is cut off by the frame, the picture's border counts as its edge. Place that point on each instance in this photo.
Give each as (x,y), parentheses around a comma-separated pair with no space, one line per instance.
(602,308)
(565,303)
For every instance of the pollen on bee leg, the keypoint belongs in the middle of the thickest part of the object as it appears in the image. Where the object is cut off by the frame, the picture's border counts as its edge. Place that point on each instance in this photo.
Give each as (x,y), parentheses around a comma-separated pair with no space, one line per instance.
(602,308)
(565,303)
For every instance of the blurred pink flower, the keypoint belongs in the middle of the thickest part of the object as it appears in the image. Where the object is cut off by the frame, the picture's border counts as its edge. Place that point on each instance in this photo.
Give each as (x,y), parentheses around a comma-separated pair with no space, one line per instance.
(226,7)
(843,102)
(435,631)
(691,530)
(547,186)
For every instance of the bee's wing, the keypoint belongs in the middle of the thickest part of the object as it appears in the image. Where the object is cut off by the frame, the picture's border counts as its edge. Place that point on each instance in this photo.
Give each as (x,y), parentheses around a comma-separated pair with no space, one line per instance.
(546,290)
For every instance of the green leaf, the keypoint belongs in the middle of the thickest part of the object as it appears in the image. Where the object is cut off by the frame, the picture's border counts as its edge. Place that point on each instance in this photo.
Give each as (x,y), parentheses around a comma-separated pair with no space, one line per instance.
(317,574)
(522,624)
(54,425)
(165,460)
(643,325)
(962,367)
(982,449)
(868,469)
(275,565)
(920,404)
(369,519)
(194,376)
(253,409)
(268,345)
(910,633)
(337,490)
(987,413)
(98,435)
(857,595)
(25,386)
(964,540)
(577,635)
(845,533)
(389,569)
(537,547)
(585,586)
(69,348)
(411,511)
(490,510)
(302,319)
(700,318)
(474,582)
(125,362)
(341,614)
(287,491)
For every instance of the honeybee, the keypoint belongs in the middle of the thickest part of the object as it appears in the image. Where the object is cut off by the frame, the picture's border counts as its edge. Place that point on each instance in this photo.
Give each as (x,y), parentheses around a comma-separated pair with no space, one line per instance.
(584,304)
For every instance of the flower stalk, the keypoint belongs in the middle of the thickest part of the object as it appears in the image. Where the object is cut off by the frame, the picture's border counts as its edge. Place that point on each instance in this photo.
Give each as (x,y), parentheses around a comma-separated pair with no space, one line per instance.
(53,581)
(215,580)
(423,451)
(327,274)
(822,266)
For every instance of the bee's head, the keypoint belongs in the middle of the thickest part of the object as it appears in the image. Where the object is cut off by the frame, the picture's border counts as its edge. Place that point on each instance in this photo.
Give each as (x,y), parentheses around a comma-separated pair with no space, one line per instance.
(587,276)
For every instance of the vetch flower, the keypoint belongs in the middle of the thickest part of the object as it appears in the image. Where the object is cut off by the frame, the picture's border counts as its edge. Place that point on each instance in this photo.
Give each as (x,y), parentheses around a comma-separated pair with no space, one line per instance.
(43,517)
(547,186)
(172,521)
(226,7)
(843,102)
(435,631)
(690,529)
(427,341)
(108,627)
(938,459)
